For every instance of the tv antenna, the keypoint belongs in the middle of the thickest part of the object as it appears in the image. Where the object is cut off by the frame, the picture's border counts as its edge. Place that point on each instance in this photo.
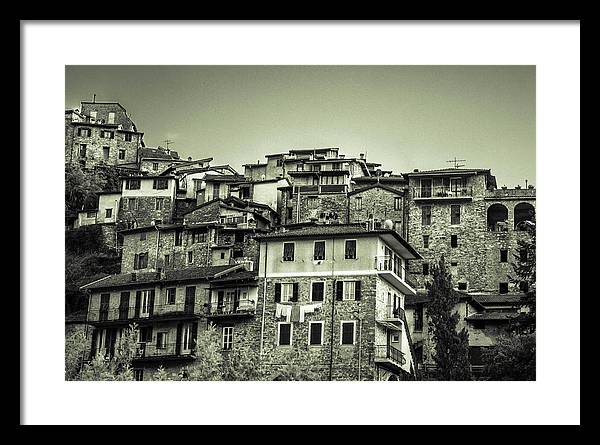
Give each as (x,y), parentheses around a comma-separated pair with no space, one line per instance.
(456,162)
(167,142)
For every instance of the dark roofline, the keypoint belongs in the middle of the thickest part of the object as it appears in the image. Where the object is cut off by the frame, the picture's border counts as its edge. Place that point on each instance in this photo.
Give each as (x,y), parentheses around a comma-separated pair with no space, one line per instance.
(163,227)
(378,185)
(473,171)
(149,177)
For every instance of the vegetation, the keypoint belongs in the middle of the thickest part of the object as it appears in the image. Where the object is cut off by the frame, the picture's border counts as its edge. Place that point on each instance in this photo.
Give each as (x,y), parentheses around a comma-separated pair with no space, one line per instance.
(451,353)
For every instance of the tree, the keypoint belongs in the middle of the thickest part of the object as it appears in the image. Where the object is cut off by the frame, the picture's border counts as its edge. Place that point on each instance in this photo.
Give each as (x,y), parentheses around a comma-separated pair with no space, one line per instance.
(451,354)
(511,358)
(209,361)
(81,188)
(76,347)
(524,279)
(117,367)
(243,363)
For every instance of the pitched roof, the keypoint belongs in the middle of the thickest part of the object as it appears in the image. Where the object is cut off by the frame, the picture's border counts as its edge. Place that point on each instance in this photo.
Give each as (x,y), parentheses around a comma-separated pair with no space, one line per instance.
(493,316)
(498,298)
(192,273)
(377,185)
(158,153)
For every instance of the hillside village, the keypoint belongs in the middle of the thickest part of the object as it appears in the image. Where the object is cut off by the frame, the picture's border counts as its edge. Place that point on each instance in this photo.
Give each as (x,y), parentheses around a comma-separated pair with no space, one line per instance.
(311,249)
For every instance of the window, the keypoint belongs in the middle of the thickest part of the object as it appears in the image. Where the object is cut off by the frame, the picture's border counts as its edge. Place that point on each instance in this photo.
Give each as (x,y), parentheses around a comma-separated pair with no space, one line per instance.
(170,295)
(198,236)
(111,118)
(503,255)
(90,214)
(455,214)
(121,154)
(317,291)
(425,241)
(397,203)
(159,203)
(418,317)
(138,375)
(287,291)
(316,167)
(453,240)
(395,338)
(132,204)
(82,150)
(84,132)
(358,203)
(106,153)
(178,237)
(453,263)
(227,337)
(319,250)
(128,137)
(503,288)
(462,286)
(350,250)
(155,166)
(145,334)
(524,286)
(190,257)
(141,260)
(315,333)
(160,184)
(288,251)
(222,255)
(425,268)
(284,334)
(105,134)
(132,184)
(279,162)
(108,213)
(162,340)
(426,215)
(167,260)
(347,332)
(289,213)
(349,290)
(300,167)
(478,324)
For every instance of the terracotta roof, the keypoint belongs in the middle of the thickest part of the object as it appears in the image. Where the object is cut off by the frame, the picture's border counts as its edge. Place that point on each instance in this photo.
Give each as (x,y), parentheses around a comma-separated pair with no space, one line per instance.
(192,273)
(493,316)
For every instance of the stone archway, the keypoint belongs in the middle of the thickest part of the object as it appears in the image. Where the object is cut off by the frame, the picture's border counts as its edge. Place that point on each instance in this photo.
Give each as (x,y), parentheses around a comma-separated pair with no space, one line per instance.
(497,217)
(524,211)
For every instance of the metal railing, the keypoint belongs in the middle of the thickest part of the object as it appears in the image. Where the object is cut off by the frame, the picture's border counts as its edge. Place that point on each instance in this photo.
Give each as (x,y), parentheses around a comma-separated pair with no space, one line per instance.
(442,191)
(239,307)
(391,353)
(149,350)
(133,313)
(392,311)
(387,263)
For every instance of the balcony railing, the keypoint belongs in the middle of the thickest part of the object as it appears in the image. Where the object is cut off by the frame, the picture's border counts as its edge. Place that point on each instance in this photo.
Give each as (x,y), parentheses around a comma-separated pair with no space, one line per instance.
(393,312)
(386,263)
(152,350)
(390,353)
(239,307)
(136,313)
(442,191)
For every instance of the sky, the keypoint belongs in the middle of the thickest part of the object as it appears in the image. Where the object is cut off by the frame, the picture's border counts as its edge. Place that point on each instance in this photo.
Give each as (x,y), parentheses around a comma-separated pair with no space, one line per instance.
(405,117)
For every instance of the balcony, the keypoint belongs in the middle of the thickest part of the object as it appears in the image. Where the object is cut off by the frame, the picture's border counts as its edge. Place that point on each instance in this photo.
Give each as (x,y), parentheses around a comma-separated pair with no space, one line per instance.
(167,351)
(440,192)
(393,313)
(395,273)
(239,308)
(128,314)
(324,188)
(389,357)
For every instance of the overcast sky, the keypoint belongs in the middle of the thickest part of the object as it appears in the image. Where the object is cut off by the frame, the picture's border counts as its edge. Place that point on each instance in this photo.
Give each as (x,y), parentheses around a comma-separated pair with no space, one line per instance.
(405,117)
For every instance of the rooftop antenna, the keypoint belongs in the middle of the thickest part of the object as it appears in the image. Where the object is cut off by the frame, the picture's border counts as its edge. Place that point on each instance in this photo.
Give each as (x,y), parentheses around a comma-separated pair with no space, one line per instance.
(94,98)
(167,142)
(456,162)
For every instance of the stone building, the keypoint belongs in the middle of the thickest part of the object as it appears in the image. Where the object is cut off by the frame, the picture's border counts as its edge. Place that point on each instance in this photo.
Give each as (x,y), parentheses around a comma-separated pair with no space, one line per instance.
(169,307)
(101,133)
(334,302)
(146,200)
(460,213)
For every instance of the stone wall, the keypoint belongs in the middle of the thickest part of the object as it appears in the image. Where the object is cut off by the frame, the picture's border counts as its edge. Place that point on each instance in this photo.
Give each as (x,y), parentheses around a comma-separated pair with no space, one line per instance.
(95,145)
(327,208)
(146,211)
(381,204)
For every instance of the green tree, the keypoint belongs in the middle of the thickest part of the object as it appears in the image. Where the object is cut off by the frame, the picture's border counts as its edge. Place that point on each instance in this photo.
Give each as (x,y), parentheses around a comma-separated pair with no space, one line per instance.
(511,358)
(118,367)
(209,360)
(451,354)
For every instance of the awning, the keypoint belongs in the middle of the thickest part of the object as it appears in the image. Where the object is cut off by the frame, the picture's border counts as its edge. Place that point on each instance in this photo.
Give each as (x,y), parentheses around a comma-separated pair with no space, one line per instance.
(390,326)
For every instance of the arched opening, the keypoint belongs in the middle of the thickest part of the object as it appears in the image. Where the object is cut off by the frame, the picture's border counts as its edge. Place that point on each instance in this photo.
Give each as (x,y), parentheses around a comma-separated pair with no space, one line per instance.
(523,212)
(497,216)
(393,378)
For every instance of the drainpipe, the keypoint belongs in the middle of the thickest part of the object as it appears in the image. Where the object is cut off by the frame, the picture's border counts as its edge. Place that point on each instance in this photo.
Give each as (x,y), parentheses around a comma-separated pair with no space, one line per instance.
(332,308)
(262,325)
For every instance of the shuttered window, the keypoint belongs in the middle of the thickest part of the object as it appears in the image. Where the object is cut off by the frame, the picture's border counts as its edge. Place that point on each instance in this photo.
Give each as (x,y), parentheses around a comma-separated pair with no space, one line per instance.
(319,250)
(426,215)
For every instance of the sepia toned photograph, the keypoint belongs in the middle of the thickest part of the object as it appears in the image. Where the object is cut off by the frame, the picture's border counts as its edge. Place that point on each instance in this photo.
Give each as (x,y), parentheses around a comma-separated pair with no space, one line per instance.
(300,223)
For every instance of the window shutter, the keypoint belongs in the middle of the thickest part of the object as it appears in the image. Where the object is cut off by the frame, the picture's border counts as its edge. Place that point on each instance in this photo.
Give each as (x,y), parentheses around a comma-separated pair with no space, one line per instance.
(151,303)
(339,290)
(357,290)
(295,287)
(138,303)
(194,334)
(178,339)
(94,339)
(277,292)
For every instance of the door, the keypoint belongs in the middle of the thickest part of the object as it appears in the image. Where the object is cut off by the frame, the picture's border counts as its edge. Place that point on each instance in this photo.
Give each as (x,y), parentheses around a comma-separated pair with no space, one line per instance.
(426,188)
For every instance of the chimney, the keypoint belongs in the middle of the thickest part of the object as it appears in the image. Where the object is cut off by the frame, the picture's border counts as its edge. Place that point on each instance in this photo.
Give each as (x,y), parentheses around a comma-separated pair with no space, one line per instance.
(362,156)
(416,170)
(189,158)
